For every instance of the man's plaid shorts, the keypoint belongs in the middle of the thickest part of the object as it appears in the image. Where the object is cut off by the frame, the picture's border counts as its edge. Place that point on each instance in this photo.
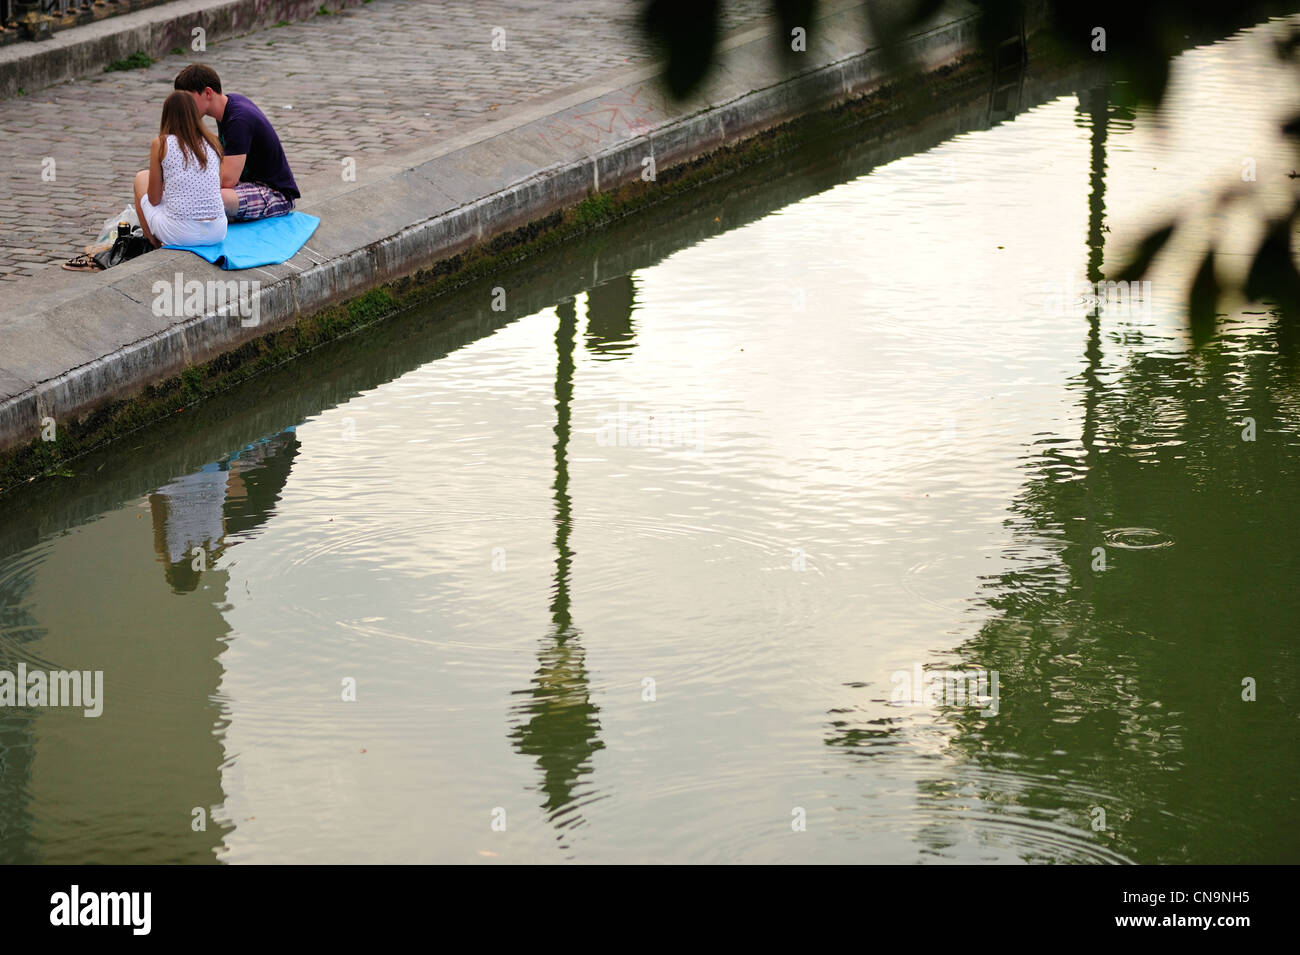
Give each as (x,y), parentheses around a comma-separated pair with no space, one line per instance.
(257,201)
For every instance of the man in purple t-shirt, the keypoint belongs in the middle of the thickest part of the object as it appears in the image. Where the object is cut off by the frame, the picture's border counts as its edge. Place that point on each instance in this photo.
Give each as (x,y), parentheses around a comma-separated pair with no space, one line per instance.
(256,182)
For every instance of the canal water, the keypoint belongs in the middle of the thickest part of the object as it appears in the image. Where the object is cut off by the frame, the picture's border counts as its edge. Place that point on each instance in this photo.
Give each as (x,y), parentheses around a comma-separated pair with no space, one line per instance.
(656,548)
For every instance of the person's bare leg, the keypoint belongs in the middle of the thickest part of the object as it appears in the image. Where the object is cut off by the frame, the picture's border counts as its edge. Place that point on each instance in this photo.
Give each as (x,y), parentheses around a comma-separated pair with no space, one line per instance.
(230,199)
(141,185)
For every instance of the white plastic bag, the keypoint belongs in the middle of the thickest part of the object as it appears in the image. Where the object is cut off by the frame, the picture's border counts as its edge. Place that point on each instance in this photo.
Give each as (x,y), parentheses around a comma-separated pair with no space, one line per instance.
(109,231)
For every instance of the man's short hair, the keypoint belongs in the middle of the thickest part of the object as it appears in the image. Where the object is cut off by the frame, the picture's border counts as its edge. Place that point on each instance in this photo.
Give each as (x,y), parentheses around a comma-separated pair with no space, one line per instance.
(196,77)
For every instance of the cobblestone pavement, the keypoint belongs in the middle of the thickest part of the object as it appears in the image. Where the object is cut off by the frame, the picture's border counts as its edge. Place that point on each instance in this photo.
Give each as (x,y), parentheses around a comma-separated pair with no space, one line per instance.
(387,74)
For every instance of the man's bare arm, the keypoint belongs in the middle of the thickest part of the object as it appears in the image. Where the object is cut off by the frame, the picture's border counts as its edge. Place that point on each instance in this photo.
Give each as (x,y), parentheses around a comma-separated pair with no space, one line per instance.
(231,169)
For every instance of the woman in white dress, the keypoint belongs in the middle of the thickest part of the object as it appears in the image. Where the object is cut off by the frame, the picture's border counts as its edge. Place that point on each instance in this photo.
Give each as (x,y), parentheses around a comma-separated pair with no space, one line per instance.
(179,197)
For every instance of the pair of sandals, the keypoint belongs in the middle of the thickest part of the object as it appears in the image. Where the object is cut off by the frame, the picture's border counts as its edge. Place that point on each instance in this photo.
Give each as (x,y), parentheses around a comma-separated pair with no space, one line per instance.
(100,256)
(85,261)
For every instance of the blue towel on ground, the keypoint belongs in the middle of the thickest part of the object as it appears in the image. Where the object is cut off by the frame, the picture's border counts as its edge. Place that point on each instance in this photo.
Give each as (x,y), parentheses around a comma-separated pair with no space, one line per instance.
(260,242)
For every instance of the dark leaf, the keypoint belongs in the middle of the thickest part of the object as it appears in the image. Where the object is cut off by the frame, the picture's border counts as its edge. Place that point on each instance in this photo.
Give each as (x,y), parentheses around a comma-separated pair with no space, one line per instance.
(1150,77)
(1289,45)
(1146,251)
(794,13)
(687,31)
(1203,300)
(1273,274)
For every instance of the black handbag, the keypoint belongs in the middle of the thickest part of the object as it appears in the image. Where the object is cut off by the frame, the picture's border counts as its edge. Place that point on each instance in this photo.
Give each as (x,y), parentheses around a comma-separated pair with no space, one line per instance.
(129,244)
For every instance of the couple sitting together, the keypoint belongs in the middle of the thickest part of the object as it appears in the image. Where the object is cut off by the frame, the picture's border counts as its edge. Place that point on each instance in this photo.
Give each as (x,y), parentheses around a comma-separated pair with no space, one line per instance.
(196,181)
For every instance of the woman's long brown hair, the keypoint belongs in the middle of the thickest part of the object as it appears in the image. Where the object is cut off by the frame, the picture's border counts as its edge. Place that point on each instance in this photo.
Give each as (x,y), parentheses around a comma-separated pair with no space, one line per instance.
(180,118)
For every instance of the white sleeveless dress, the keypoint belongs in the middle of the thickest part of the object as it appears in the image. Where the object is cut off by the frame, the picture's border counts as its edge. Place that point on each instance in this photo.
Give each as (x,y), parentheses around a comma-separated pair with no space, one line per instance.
(191,211)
